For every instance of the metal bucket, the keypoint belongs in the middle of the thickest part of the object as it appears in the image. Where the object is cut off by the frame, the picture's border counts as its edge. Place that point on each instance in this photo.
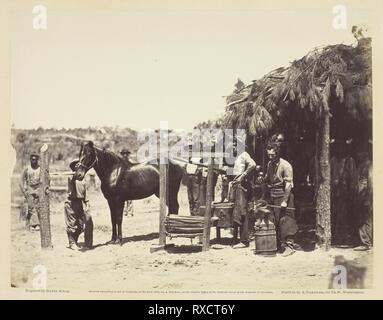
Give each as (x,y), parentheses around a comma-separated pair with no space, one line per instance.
(224,211)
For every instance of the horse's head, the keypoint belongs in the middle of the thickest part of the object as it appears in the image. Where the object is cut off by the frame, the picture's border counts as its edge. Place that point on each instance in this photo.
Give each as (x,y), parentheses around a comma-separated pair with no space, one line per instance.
(87,159)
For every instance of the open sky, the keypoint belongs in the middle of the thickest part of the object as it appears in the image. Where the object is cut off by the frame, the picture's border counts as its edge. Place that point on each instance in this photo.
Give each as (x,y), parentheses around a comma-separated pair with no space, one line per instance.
(134,66)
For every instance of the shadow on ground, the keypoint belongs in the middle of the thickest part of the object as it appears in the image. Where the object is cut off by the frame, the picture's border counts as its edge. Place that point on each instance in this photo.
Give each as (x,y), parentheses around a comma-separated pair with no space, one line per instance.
(306,238)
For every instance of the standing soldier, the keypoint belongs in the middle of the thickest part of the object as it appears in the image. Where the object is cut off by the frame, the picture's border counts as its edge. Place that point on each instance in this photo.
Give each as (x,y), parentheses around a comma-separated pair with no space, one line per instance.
(29,185)
(77,215)
(224,179)
(194,179)
(128,208)
(243,166)
(279,179)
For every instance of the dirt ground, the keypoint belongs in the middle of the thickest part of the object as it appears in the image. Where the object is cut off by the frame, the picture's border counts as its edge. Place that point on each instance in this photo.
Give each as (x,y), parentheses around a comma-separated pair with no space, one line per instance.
(183,267)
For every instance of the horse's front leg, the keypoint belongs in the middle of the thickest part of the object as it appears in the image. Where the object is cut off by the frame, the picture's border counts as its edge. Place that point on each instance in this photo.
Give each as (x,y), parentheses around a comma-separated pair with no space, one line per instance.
(113,220)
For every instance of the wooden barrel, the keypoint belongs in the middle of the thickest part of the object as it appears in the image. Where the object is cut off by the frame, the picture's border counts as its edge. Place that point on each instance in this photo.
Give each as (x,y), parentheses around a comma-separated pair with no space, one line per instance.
(266,241)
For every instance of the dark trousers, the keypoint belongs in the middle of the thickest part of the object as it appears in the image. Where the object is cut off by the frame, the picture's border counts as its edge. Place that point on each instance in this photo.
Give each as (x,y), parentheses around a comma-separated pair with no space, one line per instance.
(77,221)
(32,218)
(243,230)
(193,188)
(284,221)
(240,216)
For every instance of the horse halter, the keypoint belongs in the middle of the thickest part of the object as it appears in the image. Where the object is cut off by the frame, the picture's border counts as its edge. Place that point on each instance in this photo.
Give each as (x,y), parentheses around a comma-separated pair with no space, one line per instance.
(80,164)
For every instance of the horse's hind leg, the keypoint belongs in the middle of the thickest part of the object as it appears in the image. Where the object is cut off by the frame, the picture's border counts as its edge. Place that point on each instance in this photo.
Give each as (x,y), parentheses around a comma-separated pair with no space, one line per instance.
(119,215)
(113,218)
(174,187)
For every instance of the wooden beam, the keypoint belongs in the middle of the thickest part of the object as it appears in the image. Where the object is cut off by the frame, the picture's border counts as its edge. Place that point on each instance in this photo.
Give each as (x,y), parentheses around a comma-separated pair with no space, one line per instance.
(62,173)
(45,226)
(209,200)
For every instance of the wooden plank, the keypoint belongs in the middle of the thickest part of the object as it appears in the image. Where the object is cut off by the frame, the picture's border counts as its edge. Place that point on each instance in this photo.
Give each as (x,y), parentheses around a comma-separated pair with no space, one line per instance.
(175,217)
(58,189)
(62,173)
(209,199)
(183,235)
(45,226)
(184,229)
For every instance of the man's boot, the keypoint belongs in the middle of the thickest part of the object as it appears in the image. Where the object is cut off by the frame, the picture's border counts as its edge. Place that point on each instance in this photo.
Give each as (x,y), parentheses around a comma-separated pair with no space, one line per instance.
(288,249)
(72,242)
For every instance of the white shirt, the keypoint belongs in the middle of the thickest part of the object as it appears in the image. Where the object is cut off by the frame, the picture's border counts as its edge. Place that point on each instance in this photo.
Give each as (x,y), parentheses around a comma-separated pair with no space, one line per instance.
(241,163)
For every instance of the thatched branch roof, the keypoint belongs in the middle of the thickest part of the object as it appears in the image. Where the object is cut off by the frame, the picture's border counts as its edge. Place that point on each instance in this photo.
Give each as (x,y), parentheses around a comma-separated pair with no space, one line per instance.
(338,70)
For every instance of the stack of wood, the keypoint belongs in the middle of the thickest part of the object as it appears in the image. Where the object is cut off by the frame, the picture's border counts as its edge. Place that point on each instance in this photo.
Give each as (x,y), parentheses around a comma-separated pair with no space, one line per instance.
(176,224)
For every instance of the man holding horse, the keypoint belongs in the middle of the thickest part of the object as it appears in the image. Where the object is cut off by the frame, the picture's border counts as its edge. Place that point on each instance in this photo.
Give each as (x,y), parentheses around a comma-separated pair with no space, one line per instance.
(77,213)
(128,208)
(120,182)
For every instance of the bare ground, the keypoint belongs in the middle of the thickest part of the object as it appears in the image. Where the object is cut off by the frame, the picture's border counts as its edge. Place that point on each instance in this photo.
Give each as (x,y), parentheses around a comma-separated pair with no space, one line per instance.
(182,267)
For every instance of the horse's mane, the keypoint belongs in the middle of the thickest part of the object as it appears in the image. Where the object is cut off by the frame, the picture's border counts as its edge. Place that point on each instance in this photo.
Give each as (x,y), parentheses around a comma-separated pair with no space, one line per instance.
(110,155)
(114,157)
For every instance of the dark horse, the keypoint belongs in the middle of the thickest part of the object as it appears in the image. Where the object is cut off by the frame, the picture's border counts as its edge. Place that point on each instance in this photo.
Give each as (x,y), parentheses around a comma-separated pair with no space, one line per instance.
(121,181)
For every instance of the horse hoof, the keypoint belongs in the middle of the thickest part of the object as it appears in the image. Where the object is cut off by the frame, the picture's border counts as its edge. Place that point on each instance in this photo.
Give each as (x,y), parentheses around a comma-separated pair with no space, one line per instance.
(113,241)
(118,241)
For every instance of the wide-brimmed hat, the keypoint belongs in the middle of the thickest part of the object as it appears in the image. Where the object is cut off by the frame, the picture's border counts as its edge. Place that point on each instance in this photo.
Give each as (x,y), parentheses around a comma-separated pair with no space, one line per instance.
(73,164)
(34,154)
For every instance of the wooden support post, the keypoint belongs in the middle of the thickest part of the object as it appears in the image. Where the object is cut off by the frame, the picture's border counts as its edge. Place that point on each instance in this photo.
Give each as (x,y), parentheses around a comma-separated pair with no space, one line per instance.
(209,199)
(218,229)
(163,208)
(45,226)
(163,198)
(323,199)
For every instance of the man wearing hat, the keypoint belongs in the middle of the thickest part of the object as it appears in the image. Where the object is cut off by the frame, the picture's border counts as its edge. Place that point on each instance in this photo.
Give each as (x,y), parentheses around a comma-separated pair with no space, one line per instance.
(77,215)
(279,179)
(193,180)
(243,167)
(29,185)
(128,208)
